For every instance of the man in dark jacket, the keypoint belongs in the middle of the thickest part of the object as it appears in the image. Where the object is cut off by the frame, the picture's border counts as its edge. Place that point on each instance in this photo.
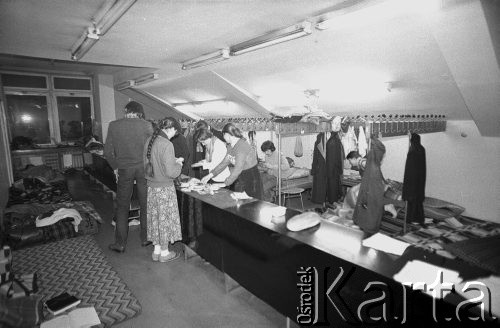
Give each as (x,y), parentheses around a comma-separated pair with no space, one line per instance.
(181,148)
(124,150)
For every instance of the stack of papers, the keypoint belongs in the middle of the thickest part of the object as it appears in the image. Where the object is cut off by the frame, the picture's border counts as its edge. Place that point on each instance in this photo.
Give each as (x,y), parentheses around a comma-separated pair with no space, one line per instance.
(386,244)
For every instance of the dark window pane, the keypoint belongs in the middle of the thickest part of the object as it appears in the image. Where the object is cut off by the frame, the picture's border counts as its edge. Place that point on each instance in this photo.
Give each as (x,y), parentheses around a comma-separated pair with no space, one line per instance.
(28,117)
(67,83)
(75,120)
(25,81)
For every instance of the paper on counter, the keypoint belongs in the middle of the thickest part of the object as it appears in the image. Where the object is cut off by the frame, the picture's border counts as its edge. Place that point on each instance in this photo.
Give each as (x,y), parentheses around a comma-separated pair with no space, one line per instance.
(491,286)
(240,195)
(419,273)
(386,244)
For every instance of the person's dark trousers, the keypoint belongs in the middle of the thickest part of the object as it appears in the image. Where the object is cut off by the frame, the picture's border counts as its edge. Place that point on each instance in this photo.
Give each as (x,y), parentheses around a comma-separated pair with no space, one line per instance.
(126,178)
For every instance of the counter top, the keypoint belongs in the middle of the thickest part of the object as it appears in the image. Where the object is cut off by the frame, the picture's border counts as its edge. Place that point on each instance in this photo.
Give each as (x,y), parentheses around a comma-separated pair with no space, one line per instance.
(332,238)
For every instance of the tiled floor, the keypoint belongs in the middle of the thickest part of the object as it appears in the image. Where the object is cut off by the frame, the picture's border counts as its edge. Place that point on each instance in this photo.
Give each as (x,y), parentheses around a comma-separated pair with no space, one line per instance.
(177,294)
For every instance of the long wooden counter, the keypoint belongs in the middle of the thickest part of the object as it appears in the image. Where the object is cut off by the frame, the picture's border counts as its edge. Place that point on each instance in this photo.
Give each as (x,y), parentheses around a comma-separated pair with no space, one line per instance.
(266,258)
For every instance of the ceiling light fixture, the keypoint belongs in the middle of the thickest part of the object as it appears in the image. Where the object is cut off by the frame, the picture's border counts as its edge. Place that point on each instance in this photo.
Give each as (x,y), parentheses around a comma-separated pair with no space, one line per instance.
(138,81)
(207,59)
(86,41)
(275,37)
(106,17)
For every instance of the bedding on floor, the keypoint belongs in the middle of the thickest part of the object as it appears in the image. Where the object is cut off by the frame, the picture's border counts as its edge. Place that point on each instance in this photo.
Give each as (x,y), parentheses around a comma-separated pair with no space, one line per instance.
(78,266)
(20,223)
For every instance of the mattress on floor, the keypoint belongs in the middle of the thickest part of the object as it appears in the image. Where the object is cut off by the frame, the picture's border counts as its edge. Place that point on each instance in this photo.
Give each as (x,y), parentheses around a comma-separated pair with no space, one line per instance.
(78,266)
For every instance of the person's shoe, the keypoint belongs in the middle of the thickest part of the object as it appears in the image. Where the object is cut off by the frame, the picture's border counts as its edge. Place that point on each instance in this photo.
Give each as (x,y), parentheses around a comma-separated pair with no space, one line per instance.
(169,257)
(155,256)
(117,248)
(146,243)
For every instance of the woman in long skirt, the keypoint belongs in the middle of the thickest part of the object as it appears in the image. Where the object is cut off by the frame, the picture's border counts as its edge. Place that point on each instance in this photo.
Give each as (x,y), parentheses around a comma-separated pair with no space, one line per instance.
(163,221)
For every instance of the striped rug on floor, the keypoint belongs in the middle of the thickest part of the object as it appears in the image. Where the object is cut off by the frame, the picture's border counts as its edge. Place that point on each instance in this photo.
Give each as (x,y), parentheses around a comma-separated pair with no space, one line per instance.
(79,267)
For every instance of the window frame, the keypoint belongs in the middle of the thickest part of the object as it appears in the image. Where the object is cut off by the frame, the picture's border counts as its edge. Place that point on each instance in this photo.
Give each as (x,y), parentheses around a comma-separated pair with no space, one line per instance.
(51,95)
(76,77)
(47,80)
(57,128)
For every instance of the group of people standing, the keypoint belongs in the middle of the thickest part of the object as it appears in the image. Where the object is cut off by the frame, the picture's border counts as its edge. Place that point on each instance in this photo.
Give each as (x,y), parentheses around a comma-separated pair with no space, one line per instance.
(145,157)
(153,159)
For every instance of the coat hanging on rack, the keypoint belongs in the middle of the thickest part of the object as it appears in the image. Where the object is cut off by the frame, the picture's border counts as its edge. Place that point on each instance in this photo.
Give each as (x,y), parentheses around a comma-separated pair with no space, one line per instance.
(334,167)
(370,203)
(362,144)
(414,180)
(318,170)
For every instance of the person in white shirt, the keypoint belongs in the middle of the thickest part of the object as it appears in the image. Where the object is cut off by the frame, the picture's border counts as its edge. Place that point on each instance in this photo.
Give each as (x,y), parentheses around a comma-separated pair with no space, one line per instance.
(215,152)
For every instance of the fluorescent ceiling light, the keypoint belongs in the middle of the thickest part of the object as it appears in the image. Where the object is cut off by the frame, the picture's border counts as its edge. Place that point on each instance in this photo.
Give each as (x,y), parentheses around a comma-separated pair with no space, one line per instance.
(107,16)
(146,78)
(206,59)
(86,41)
(278,36)
(113,11)
(138,81)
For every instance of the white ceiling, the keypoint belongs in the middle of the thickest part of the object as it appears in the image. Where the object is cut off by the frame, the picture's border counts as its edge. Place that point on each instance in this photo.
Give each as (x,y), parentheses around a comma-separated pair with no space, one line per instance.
(439,64)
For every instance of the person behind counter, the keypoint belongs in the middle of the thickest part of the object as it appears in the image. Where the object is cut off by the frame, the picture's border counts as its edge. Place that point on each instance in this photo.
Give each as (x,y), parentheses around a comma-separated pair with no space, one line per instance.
(199,150)
(242,161)
(215,153)
(162,168)
(123,150)
(270,168)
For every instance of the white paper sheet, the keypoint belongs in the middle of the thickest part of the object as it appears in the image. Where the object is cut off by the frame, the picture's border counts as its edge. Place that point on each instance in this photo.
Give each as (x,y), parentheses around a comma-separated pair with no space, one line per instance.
(386,244)
(428,277)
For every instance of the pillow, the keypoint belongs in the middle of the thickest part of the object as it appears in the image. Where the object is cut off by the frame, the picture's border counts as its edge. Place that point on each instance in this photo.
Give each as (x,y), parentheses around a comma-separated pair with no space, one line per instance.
(303,221)
(297,172)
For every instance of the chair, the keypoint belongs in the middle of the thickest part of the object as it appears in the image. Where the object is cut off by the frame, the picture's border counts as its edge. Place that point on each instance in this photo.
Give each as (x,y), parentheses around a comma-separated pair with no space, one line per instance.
(288,193)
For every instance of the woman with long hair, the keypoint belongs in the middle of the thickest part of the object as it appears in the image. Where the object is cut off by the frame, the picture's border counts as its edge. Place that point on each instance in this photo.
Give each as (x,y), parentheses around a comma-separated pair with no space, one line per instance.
(215,153)
(242,162)
(163,221)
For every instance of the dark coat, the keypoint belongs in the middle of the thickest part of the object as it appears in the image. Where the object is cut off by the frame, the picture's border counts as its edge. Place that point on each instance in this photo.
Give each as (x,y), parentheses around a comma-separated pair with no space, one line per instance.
(181,149)
(370,204)
(414,179)
(334,167)
(318,170)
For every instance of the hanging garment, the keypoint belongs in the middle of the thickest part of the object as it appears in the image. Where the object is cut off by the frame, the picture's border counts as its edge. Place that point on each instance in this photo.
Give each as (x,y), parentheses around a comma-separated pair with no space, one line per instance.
(318,170)
(414,180)
(362,144)
(298,151)
(349,140)
(334,167)
(370,203)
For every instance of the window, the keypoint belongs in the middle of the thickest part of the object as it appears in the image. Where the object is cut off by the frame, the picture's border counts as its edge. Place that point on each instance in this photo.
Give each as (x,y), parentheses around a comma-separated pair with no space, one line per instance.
(24,81)
(28,117)
(75,118)
(67,83)
(39,110)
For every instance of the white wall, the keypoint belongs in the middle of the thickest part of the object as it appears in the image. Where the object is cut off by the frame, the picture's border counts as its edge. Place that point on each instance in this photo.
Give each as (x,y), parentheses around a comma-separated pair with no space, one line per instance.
(462,170)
